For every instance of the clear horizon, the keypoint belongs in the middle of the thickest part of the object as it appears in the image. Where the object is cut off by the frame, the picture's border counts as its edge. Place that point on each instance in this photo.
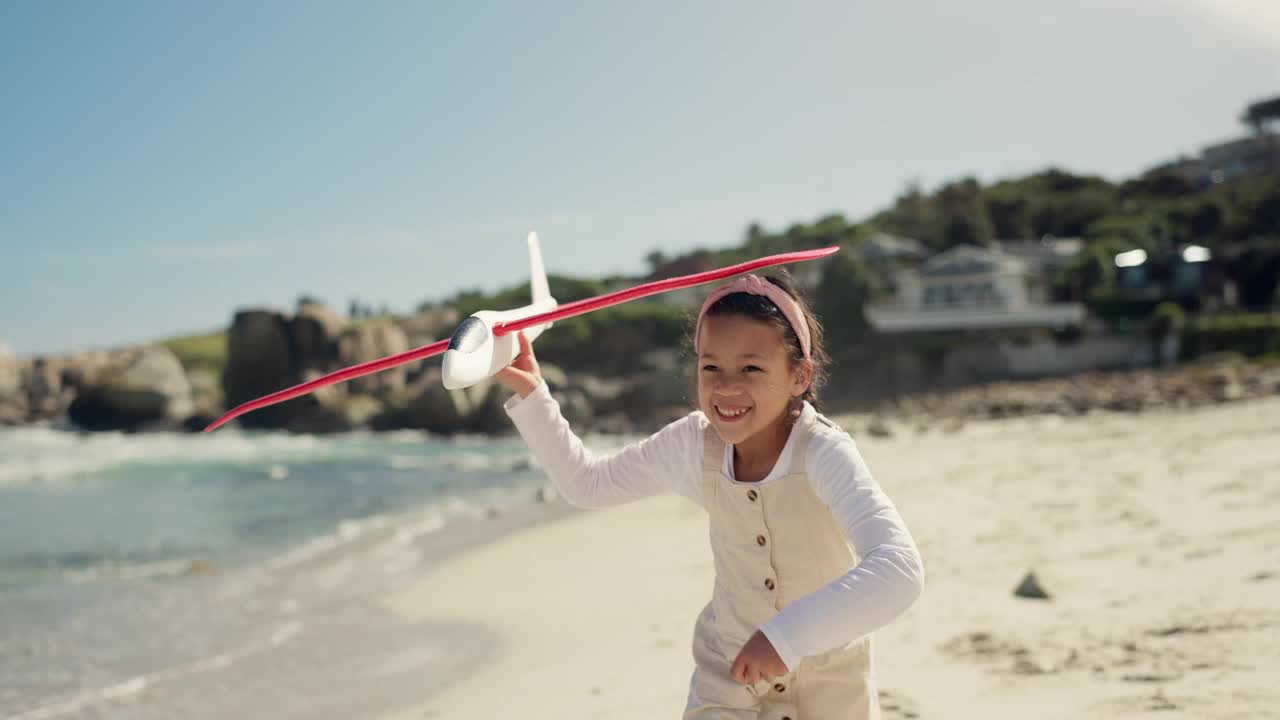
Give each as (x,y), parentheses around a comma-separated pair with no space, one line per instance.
(165,166)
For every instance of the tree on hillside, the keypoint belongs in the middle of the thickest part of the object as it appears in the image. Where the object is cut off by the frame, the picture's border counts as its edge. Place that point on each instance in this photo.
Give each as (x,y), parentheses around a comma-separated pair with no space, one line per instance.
(846,287)
(1013,214)
(1256,271)
(656,259)
(1262,115)
(966,220)
(912,215)
(1094,268)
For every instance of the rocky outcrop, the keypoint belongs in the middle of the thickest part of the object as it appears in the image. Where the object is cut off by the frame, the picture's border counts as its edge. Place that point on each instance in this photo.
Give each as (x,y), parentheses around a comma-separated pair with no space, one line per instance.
(313,334)
(261,360)
(268,351)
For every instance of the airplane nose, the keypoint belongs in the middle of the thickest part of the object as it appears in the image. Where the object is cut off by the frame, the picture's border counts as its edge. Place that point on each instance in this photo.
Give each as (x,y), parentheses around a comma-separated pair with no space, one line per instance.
(460,370)
(470,353)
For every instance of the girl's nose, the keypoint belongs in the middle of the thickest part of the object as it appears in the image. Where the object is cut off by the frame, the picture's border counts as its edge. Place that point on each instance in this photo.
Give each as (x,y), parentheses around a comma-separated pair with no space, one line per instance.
(726,384)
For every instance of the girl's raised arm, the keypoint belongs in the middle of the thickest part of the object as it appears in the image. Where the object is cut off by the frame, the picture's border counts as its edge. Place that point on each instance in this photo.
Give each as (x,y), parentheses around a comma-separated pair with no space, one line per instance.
(668,460)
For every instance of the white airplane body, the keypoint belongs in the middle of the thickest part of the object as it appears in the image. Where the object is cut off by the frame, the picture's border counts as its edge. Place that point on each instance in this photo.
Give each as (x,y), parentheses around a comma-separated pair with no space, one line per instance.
(474,354)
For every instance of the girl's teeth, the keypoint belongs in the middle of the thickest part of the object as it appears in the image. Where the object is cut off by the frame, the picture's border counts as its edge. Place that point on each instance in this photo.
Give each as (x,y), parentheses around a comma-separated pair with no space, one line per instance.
(731,413)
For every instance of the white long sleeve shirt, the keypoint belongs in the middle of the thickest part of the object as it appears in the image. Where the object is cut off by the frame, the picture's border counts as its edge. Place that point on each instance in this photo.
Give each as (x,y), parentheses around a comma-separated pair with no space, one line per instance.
(886,581)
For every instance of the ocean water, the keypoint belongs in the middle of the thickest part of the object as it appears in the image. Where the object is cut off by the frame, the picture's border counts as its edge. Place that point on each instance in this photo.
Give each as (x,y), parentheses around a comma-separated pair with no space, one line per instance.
(138,572)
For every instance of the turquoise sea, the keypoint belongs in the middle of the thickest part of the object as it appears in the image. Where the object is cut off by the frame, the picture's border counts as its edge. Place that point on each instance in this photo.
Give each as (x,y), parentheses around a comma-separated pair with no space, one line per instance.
(139,572)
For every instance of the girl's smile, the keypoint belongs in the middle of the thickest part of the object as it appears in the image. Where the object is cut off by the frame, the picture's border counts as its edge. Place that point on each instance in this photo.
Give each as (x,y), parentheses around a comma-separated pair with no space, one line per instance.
(730,413)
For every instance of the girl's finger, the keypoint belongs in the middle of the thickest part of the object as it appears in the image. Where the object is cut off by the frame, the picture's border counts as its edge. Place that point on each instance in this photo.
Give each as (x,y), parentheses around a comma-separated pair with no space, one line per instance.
(739,671)
(513,376)
(526,348)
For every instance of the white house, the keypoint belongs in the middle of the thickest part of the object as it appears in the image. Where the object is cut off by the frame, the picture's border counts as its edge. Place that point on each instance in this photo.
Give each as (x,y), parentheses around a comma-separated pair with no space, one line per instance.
(970,288)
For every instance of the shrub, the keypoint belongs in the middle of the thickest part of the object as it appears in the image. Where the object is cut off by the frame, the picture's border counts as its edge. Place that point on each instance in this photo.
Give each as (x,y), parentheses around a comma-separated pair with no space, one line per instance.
(1249,334)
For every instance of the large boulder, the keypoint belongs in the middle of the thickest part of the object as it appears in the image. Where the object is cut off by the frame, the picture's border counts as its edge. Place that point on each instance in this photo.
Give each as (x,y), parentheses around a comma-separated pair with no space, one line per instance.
(370,341)
(13,396)
(314,331)
(268,351)
(260,360)
(140,388)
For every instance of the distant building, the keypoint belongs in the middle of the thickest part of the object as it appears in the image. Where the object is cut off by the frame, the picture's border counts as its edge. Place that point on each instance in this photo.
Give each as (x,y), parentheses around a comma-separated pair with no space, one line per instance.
(883,248)
(973,288)
(1252,155)
(1048,254)
(1190,169)
(1189,273)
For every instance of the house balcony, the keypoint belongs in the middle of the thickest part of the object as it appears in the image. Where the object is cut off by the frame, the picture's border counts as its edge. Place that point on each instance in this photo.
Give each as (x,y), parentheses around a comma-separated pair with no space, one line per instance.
(893,317)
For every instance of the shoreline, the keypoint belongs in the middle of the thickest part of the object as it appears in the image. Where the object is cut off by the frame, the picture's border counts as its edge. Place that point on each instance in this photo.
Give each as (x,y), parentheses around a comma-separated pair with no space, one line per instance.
(1153,534)
(331,650)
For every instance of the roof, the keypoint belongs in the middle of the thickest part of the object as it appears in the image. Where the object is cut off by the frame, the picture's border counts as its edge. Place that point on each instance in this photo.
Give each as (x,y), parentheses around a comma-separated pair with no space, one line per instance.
(971,260)
(883,246)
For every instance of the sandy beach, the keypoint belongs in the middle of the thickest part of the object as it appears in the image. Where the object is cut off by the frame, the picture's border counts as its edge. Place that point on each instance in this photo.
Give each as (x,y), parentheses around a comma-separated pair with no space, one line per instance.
(1155,537)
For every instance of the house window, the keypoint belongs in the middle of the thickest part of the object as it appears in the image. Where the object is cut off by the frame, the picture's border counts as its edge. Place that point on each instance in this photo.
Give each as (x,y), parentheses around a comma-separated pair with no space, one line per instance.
(939,296)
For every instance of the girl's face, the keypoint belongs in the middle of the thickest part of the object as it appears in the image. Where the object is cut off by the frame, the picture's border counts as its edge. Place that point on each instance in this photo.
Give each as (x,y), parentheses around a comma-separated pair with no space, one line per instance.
(745,377)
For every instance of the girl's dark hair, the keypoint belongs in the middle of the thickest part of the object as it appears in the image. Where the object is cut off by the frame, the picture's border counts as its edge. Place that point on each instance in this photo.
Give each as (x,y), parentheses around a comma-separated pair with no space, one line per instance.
(758,307)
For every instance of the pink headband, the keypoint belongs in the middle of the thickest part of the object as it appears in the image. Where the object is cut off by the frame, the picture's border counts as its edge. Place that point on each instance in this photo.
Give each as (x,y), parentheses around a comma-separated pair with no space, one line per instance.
(755,285)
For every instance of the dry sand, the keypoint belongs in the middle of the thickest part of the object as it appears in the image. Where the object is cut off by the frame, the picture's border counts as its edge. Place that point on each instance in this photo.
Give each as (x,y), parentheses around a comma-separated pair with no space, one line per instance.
(1157,537)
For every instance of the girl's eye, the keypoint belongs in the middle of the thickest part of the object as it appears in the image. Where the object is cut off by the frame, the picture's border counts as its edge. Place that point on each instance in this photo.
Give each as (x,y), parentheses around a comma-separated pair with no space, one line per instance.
(709,368)
(752,368)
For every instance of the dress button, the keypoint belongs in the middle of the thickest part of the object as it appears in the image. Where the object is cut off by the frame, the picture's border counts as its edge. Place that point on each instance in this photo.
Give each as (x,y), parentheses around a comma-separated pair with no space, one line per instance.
(768,582)
(780,687)
(760,540)
(752,495)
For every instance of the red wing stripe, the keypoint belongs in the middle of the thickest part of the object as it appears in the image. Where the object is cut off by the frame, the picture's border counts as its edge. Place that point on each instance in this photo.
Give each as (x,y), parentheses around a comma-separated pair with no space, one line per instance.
(567,310)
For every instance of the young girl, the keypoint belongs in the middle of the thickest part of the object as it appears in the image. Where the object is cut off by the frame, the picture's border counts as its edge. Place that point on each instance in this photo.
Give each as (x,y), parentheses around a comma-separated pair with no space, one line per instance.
(810,555)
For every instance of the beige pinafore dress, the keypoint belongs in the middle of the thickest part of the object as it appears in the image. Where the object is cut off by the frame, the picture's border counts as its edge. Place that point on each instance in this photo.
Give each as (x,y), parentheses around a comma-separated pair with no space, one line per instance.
(773,543)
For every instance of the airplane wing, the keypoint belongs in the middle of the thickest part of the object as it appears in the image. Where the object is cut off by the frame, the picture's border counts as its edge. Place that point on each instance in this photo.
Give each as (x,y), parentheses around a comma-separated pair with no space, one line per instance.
(567,310)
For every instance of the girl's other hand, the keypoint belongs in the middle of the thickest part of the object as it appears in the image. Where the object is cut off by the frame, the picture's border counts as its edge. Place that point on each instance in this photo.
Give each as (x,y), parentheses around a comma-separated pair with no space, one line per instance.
(522,375)
(757,661)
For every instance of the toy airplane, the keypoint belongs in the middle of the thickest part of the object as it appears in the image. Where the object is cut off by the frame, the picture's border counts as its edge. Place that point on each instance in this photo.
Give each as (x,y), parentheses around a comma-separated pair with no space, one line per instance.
(475,352)
(485,342)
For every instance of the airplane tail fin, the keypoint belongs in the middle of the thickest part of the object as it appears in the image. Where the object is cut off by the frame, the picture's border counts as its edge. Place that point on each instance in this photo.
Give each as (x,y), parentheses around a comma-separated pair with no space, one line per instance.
(537,273)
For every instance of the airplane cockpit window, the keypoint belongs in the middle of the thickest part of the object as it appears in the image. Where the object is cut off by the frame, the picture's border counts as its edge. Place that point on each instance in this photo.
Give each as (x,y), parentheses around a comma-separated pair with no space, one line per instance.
(469,336)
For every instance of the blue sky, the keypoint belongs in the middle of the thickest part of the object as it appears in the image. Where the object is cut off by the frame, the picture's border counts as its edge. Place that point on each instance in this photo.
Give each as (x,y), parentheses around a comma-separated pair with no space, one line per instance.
(165,163)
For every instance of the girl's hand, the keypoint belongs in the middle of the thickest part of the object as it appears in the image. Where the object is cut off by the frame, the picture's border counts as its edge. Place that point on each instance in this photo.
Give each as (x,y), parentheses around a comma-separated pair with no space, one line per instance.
(522,375)
(757,661)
